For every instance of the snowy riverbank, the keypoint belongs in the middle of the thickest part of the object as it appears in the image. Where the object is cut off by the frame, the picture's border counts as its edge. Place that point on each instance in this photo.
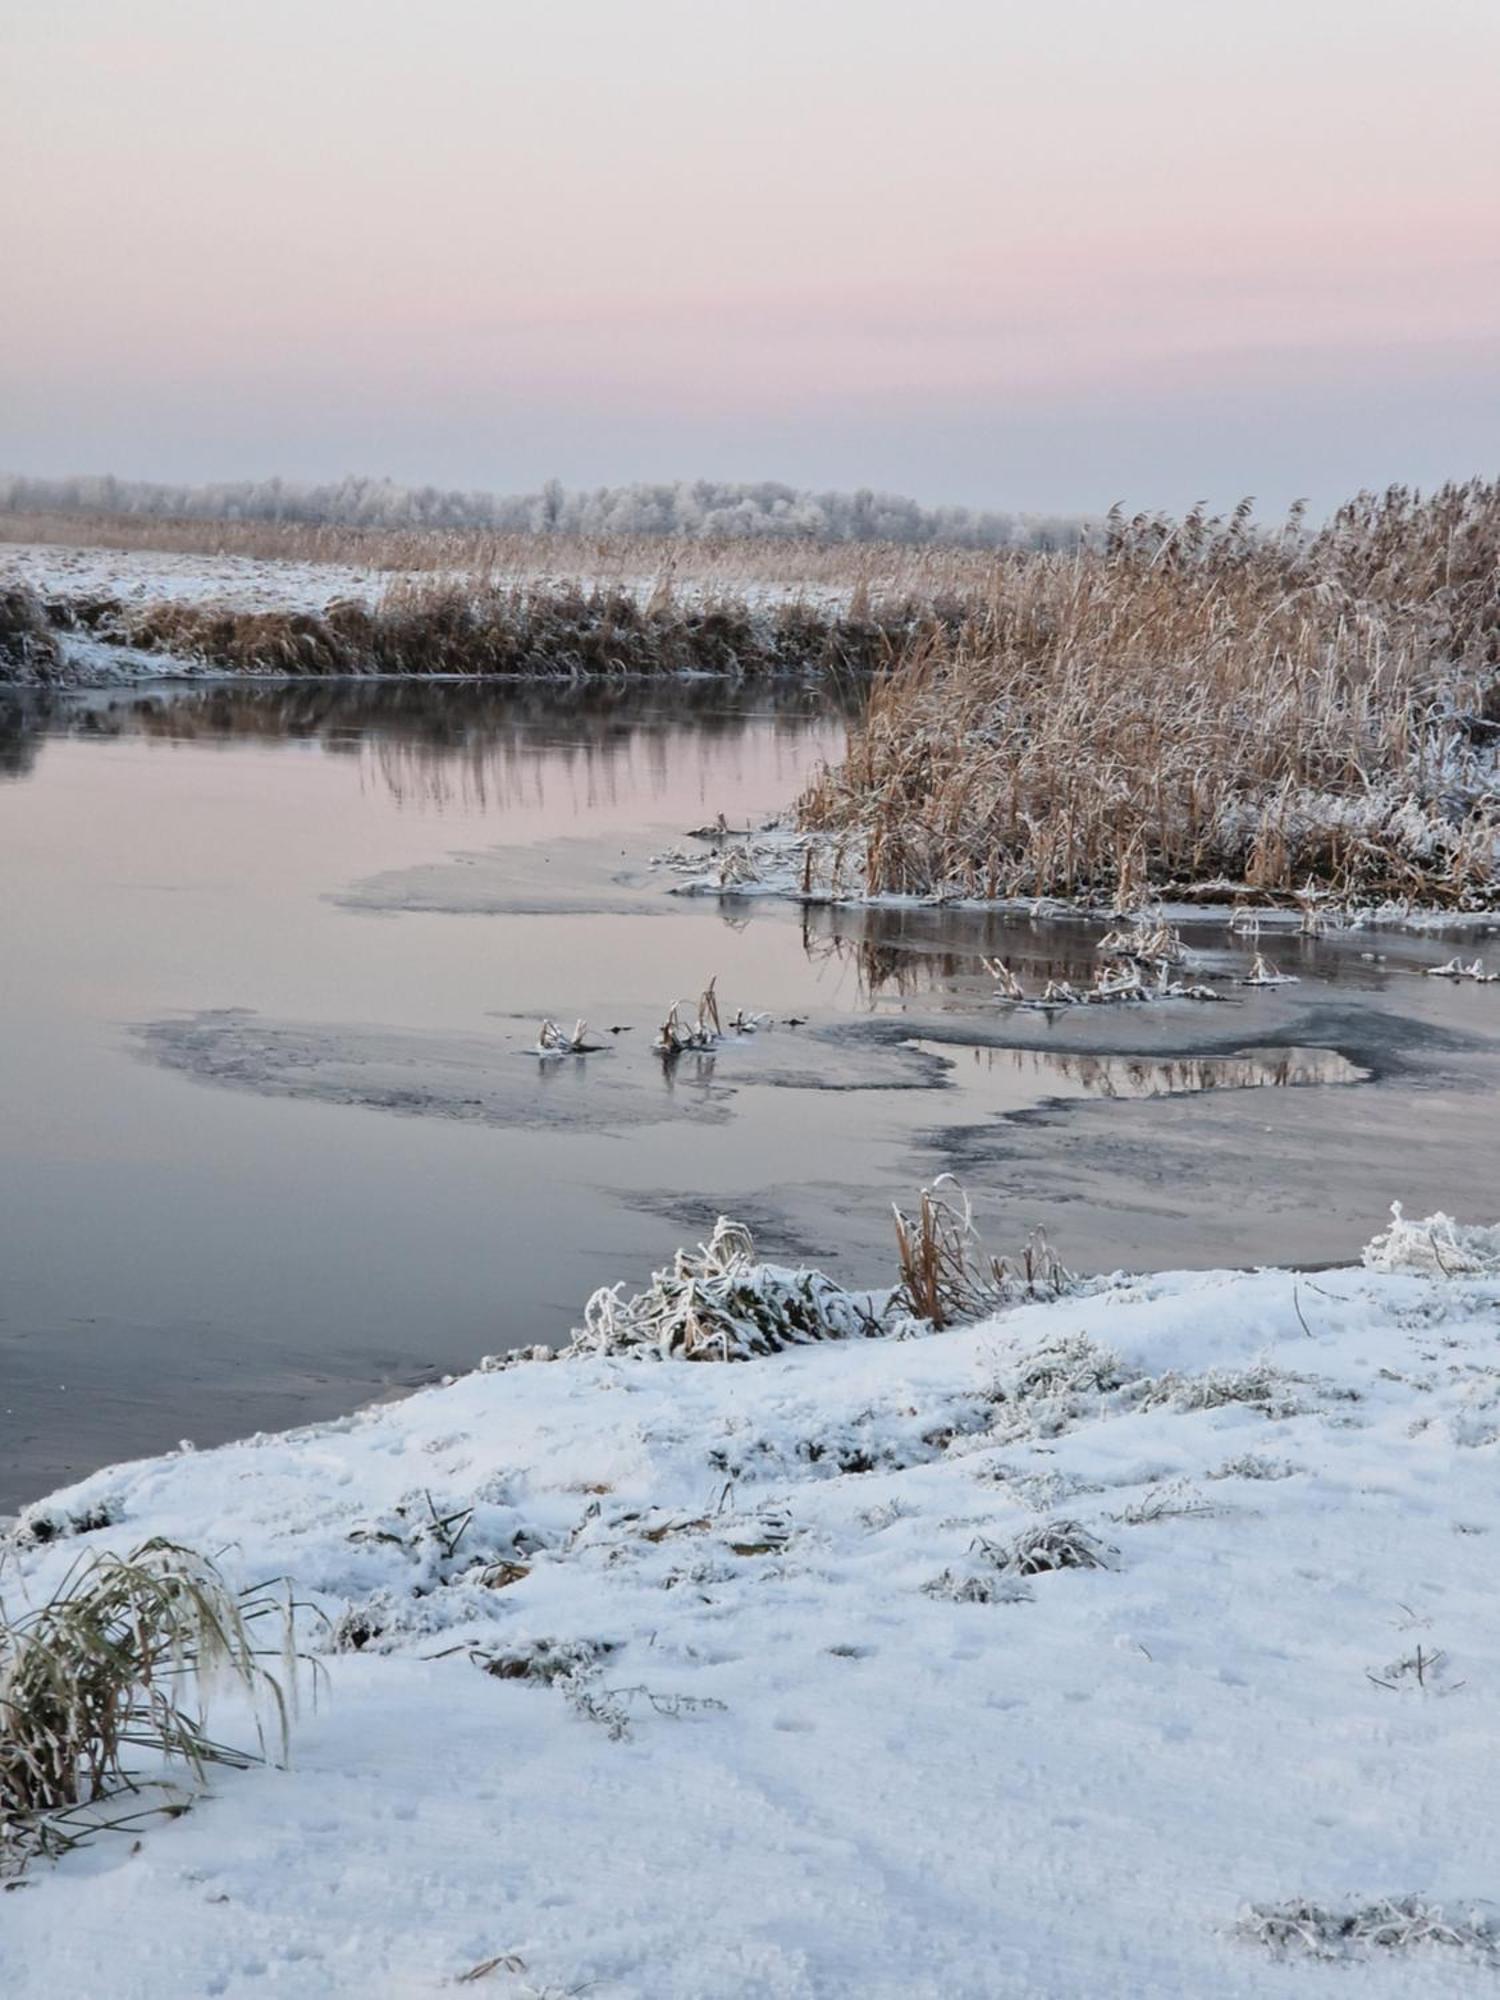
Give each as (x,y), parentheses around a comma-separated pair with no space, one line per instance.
(824,1734)
(781,862)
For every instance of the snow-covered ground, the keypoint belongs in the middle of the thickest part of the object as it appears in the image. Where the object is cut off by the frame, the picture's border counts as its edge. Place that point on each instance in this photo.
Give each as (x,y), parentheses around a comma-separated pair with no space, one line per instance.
(253,583)
(151,576)
(824,1736)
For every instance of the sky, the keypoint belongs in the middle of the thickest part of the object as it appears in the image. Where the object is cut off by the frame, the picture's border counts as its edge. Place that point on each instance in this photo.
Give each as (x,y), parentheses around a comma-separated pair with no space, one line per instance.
(1042,256)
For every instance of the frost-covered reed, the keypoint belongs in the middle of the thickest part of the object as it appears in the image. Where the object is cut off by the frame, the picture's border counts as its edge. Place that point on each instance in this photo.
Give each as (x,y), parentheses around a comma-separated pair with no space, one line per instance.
(1199,705)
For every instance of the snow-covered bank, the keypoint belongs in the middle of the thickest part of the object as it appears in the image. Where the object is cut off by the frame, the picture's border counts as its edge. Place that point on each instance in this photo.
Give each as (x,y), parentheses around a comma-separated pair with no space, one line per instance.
(836,1732)
(109,616)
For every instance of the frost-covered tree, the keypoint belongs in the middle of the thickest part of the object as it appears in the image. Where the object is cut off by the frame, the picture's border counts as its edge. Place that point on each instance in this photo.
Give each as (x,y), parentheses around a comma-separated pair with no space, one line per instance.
(697,509)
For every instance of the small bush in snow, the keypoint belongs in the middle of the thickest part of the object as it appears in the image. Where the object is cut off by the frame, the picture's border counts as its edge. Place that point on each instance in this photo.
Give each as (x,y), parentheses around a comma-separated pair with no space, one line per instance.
(720,1304)
(1056,1544)
(995,1568)
(1260,1386)
(1437,1247)
(979,1586)
(1043,1390)
(28,645)
(948,1277)
(118,1661)
(543,1661)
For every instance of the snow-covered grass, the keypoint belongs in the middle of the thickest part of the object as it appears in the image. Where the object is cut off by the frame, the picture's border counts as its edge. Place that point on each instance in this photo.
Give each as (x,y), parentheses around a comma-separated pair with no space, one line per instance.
(870,1667)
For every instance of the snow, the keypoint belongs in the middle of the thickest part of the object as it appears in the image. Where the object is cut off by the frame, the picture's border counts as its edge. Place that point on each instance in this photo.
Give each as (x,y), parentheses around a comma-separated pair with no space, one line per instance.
(159,576)
(278,583)
(856,1777)
(779,863)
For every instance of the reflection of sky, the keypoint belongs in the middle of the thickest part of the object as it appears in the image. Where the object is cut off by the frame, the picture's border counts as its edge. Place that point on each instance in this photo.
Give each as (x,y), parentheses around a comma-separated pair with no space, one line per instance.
(985,251)
(188,1258)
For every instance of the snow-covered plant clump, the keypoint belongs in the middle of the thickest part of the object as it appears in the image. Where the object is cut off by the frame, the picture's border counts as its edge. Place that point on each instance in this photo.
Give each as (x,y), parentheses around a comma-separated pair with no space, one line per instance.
(719,1303)
(947,1273)
(117,1663)
(1437,1247)
(1459,969)
(553,1041)
(1390,1923)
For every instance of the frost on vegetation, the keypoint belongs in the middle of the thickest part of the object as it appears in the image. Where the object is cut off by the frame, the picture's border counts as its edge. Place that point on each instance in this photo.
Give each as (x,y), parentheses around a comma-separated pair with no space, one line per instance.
(553,1041)
(543,1662)
(1045,1390)
(948,1277)
(1178,1500)
(613,1708)
(719,1303)
(1263,973)
(575,1668)
(38,1525)
(862,1444)
(120,1661)
(1391,1923)
(996,1572)
(1436,1247)
(1254,1465)
(1456,969)
(1259,1387)
(687,510)
(687,1030)
(1139,971)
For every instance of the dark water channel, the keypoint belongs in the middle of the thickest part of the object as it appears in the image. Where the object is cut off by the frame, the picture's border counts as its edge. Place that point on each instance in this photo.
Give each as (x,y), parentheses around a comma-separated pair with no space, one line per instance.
(272,1143)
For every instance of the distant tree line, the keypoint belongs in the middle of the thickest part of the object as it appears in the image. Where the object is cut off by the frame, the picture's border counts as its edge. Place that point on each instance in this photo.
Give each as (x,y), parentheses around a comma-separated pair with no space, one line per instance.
(696,509)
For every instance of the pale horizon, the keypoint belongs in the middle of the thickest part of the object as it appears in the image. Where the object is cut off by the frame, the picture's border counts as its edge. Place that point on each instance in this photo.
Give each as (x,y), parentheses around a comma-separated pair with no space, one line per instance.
(990,258)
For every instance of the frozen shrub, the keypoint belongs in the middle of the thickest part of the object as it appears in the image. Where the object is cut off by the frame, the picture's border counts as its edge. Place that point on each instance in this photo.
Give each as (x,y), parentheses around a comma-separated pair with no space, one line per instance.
(1436,1247)
(118,1661)
(720,1304)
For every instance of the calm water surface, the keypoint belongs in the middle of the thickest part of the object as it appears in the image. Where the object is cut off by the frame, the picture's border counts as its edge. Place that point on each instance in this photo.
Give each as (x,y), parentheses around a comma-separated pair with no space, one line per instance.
(271,1143)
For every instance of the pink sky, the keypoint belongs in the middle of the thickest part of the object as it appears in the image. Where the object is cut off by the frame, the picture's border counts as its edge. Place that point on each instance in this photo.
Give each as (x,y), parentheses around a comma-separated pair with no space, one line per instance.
(1028,256)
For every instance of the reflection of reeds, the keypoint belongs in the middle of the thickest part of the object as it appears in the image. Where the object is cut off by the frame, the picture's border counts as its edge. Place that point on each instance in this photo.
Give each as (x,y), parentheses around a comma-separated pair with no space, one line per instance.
(482,744)
(1125,1076)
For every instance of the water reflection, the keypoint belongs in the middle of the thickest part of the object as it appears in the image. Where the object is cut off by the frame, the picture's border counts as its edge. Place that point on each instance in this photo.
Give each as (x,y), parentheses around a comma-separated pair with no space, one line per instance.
(1014,1079)
(430,745)
(900,956)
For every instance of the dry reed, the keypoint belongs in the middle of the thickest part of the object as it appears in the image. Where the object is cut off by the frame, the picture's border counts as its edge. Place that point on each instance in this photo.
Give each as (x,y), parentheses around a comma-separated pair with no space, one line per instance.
(1196,704)
(115,1663)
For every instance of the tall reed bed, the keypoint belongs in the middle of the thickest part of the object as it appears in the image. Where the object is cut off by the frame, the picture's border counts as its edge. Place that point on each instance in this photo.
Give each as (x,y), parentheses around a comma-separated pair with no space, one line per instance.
(1195,702)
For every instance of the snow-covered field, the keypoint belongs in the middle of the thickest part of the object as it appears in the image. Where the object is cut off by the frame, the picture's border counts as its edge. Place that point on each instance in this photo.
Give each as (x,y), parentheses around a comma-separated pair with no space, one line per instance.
(152,576)
(791,1718)
(254,583)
